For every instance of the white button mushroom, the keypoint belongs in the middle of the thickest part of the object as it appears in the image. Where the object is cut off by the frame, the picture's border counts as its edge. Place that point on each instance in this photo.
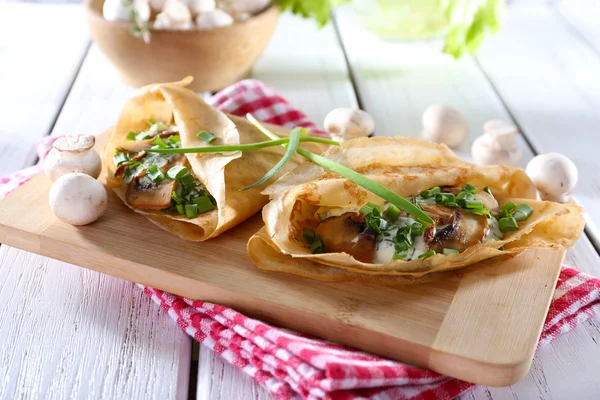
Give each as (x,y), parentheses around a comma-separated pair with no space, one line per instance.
(554,175)
(115,10)
(73,154)
(236,7)
(213,19)
(444,124)
(77,199)
(346,123)
(497,144)
(200,6)
(175,16)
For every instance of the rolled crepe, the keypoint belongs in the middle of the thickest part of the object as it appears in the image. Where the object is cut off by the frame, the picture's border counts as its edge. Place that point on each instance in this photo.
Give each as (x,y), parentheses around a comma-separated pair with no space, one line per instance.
(407,167)
(222,175)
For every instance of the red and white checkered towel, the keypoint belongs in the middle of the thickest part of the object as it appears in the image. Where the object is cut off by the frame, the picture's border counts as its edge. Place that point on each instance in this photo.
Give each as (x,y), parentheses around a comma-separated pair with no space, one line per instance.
(293,366)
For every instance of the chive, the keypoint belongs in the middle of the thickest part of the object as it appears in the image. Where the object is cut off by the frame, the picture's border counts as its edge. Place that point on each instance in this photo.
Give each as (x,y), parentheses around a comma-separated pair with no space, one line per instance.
(480,211)
(369,208)
(488,191)
(431,192)
(427,254)
(180,209)
(508,209)
(465,196)
(206,136)
(507,224)
(120,158)
(309,234)
(522,212)
(355,177)
(449,251)
(159,142)
(143,135)
(317,246)
(471,204)
(451,204)
(155,174)
(289,153)
(241,147)
(174,139)
(175,197)
(187,181)
(177,172)
(392,213)
(191,210)
(443,198)
(131,135)
(151,121)
(501,248)
(397,256)
(469,188)
(204,204)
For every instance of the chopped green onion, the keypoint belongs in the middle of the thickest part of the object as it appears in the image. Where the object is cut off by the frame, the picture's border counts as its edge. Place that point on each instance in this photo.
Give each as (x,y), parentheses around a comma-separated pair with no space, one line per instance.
(151,121)
(120,158)
(241,147)
(480,211)
(175,197)
(392,213)
(309,234)
(488,191)
(204,204)
(180,209)
(174,139)
(469,188)
(471,204)
(177,172)
(369,208)
(430,193)
(449,251)
(206,136)
(131,135)
(508,209)
(427,254)
(465,196)
(289,153)
(143,135)
(443,198)
(522,212)
(398,256)
(159,142)
(187,181)
(416,228)
(317,246)
(507,224)
(191,210)
(155,174)
(451,204)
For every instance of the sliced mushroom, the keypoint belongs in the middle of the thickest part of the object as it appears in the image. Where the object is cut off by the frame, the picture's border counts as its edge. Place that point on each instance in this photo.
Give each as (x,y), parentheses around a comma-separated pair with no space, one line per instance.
(344,234)
(455,228)
(146,195)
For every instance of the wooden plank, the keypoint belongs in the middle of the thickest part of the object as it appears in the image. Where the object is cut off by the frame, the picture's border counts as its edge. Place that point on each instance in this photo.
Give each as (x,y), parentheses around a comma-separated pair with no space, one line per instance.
(583,17)
(396,82)
(70,332)
(548,78)
(41,47)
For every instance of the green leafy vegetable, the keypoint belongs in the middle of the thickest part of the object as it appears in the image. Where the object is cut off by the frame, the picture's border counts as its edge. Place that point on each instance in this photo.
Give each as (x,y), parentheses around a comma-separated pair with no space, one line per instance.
(292,146)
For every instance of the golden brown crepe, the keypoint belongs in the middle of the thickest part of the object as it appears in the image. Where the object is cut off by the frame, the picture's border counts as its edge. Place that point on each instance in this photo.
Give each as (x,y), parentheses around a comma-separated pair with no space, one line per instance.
(407,167)
(223,175)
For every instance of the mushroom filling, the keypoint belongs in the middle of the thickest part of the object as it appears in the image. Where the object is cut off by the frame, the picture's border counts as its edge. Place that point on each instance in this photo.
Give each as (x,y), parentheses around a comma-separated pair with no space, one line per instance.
(462,218)
(160,181)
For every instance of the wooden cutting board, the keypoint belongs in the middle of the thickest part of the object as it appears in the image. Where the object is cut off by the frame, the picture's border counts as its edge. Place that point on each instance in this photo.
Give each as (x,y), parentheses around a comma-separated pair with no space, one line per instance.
(480,324)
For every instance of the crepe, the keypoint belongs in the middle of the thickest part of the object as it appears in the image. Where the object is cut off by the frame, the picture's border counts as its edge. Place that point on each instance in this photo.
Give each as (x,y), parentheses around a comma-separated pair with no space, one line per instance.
(407,167)
(219,175)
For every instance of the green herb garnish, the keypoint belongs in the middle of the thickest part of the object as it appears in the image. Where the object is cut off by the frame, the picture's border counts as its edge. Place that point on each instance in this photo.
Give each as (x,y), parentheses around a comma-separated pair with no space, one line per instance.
(131,135)
(392,213)
(427,254)
(204,204)
(374,220)
(155,174)
(120,158)
(177,172)
(430,193)
(488,191)
(507,224)
(314,241)
(143,135)
(206,136)
(449,251)
(469,188)
(159,142)
(522,212)
(191,210)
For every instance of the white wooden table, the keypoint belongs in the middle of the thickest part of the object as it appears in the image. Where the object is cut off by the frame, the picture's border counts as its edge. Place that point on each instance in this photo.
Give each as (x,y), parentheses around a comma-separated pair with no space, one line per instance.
(66,332)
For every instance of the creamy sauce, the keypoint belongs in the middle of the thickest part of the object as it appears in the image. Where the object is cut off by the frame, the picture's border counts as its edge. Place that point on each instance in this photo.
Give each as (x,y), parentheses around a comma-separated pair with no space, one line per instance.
(384,250)
(493,231)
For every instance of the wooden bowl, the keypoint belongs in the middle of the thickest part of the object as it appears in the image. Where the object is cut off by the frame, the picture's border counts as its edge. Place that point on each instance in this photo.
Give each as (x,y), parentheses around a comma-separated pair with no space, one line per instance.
(215,58)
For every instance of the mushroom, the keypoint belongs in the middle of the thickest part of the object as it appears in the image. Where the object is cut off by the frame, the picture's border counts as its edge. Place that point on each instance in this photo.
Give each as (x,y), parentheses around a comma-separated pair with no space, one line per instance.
(238,7)
(73,154)
(175,16)
(348,123)
(497,144)
(201,6)
(213,19)
(444,124)
(77,199)
(115,10)
(554,175)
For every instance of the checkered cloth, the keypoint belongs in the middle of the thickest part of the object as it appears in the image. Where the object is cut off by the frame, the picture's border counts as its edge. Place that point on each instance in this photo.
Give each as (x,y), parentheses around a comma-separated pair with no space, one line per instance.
(294,366)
